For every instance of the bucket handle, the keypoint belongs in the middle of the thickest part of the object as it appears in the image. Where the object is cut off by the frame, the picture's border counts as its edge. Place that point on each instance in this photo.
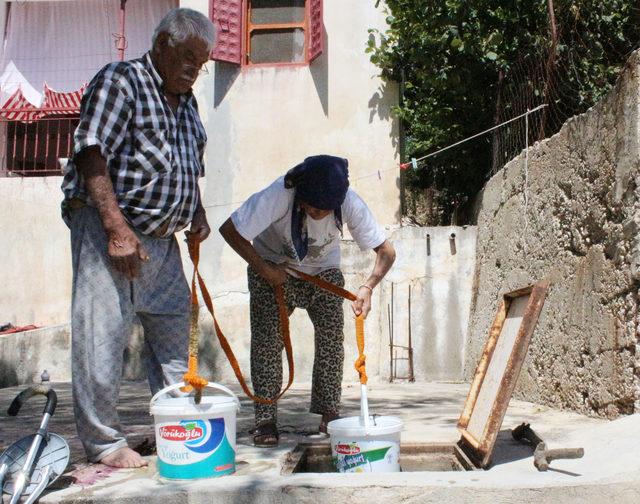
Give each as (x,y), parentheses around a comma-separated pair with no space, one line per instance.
(178,385)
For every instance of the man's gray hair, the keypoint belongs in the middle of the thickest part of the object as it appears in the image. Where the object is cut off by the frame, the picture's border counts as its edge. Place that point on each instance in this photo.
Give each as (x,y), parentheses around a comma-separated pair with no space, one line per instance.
(182,23)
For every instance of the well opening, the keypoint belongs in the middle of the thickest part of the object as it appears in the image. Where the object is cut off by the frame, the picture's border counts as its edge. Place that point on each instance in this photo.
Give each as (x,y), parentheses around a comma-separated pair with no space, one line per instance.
(414,457)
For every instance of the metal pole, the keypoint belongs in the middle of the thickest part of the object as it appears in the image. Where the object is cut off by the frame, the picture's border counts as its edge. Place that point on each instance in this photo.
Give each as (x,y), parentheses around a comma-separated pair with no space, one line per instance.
(390,344)
(411,377)
(121,43)
(393,367)
(549,69)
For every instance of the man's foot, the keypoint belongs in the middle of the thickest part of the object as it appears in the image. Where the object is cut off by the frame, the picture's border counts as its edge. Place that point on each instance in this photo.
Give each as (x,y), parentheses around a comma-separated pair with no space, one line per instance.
(326,418)
(124,457)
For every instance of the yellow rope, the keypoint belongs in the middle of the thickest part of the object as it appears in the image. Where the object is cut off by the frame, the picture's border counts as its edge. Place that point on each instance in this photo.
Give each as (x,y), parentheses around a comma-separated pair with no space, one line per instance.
(193,380)
(360,361)
(196,383)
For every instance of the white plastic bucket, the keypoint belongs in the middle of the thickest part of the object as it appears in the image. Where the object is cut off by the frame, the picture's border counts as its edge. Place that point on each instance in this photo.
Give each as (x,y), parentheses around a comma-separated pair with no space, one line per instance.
(195,440)
(356,450)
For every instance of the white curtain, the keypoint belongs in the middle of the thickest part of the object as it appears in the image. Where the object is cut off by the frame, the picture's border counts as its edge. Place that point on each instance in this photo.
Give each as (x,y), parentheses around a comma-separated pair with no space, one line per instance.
(64,43)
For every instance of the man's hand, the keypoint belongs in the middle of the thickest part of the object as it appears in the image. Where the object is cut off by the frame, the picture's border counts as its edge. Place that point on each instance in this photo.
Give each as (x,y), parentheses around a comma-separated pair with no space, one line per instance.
(362,305)
(274,275)
(126,251)
(199,229)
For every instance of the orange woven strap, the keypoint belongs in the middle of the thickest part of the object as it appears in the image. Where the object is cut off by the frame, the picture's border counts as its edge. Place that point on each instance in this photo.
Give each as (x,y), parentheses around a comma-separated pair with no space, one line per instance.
(323,284)
(339,291)
(191,377)
(194,252)
(360,361)
(195,381)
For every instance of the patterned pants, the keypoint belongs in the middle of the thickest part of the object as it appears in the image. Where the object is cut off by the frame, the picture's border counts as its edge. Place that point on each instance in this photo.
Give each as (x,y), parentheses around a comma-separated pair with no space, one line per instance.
(104,308)
(325,312)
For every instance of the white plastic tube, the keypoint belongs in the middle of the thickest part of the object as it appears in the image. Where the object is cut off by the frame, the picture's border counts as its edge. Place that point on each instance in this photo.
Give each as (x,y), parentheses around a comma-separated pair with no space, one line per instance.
(364,408)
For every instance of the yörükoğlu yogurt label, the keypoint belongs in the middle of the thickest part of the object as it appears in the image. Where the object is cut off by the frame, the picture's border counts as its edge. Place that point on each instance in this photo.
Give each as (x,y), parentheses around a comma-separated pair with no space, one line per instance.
(191,449)
(352,457)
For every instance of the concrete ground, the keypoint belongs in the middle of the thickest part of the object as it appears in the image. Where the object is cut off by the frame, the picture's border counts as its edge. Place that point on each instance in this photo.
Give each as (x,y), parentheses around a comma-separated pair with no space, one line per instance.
(609,471)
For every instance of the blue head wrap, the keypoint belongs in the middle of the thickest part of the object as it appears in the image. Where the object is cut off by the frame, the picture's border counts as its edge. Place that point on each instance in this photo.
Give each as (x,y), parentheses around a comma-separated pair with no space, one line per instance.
(322,182)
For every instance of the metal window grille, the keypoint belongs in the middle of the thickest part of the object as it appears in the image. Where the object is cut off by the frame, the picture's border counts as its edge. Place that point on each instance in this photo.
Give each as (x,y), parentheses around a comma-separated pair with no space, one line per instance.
(34,148)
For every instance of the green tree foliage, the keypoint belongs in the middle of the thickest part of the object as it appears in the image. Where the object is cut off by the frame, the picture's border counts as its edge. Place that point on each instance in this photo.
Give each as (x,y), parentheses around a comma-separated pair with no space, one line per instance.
(449,55)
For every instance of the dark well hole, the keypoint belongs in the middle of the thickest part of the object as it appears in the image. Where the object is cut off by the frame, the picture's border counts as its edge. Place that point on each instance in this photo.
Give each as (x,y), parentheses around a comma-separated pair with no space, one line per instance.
(316,458)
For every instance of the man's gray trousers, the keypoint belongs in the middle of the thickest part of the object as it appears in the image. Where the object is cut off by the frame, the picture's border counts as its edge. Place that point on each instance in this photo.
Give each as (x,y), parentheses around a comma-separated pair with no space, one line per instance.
(105,307)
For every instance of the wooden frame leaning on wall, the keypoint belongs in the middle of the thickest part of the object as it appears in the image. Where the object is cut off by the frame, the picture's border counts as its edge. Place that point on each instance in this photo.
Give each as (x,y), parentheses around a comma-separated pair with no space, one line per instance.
(499,367)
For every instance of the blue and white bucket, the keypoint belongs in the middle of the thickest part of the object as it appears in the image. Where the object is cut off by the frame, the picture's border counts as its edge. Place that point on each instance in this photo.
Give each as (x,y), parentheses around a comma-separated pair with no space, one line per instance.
(195,440)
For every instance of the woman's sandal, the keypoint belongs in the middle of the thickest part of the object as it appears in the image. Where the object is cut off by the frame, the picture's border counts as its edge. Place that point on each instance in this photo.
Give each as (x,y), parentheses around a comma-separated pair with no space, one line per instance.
(266,435)
(326,418)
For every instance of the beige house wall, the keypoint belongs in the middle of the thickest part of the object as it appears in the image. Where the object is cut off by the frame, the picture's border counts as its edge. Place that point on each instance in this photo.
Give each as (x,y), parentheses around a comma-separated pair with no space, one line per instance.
(260,122)
(35,265)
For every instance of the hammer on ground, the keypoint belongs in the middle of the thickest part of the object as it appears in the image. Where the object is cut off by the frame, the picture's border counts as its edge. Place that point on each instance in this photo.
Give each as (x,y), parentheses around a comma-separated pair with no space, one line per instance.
(542,456)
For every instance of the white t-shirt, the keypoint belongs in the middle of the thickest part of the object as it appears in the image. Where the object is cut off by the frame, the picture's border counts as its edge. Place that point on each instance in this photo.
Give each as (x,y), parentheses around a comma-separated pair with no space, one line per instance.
(265,219)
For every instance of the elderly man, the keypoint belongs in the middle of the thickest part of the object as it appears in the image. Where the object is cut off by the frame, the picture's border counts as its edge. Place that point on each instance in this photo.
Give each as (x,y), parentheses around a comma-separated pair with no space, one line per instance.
(131,185)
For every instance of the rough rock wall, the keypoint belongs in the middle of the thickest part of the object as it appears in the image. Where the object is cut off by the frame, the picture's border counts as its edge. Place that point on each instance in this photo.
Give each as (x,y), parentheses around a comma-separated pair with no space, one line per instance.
(571,214)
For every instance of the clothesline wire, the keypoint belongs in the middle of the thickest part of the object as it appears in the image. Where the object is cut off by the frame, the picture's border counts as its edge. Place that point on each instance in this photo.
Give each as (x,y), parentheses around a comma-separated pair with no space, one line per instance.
(379,172)
(539,107)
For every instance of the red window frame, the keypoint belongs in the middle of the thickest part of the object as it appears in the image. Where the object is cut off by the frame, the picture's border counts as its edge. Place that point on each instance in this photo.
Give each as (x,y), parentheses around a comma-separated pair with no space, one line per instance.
(249,28)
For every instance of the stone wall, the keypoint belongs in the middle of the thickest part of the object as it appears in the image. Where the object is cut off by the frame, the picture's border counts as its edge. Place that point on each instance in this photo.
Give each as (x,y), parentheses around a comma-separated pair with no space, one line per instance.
(571,215)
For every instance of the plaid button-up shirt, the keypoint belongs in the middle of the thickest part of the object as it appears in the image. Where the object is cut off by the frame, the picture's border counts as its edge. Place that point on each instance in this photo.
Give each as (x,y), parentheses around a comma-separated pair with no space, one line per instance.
(154,156)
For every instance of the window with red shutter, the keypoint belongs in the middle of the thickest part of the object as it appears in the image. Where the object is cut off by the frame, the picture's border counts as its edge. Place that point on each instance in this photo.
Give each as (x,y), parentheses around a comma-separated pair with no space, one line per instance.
(316,30)
(267,32)
(227,18)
